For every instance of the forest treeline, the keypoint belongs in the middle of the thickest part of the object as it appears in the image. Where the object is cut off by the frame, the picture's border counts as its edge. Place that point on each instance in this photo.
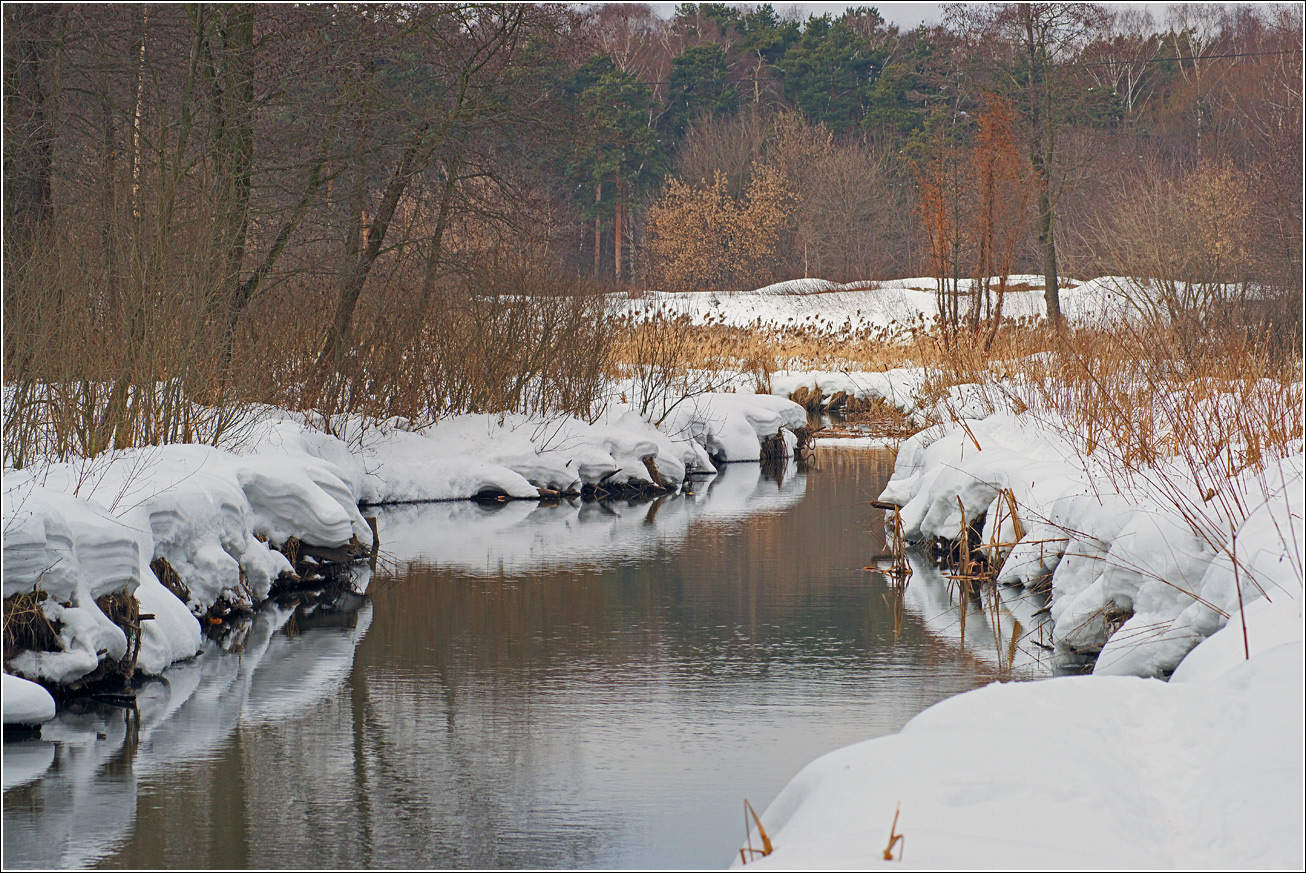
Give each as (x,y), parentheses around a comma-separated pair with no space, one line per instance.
(267,195)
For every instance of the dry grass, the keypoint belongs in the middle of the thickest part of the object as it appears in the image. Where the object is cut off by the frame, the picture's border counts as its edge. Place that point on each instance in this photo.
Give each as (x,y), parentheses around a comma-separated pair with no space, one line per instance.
(131,349)
(748,852)
(26,626)
(762,348)
(1140,394)
(895,839)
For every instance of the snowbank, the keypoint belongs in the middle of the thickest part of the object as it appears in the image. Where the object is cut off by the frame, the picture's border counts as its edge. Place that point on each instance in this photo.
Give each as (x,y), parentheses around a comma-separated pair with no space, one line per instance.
(733,427)
(1203,771)
(1135,558)
(25,703)
(75,553)
(75,532)
(516,455)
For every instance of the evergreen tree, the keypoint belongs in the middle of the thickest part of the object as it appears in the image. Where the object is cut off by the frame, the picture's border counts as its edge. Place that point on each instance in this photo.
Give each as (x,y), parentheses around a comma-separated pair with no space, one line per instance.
(700,85)
(830,73)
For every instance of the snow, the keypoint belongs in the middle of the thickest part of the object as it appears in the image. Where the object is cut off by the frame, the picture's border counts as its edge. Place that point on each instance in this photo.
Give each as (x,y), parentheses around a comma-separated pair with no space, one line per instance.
(732,427)
(75,552)
(516,455)
(1203,771)
(174,633)
(25,703)
(890,305)
(1143,555)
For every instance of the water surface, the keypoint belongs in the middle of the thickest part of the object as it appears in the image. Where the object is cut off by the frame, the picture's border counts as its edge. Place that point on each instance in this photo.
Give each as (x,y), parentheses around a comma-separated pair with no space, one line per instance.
(575,685)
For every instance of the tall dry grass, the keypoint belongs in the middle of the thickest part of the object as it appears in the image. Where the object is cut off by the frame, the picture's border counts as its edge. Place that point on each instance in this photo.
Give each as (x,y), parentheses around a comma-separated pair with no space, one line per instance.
(110,341)
(117,337)
(505,339)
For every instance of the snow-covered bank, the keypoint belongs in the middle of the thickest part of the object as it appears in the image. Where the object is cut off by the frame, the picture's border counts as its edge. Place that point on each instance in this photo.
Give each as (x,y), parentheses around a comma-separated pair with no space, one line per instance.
(1107,772)
(1141,567)
(1145,568)
(25,703)
(516,455)
(75,533)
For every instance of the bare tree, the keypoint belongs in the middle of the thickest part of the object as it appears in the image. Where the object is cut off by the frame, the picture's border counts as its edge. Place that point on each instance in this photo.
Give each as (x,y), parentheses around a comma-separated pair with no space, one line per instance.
(1045,37)
(472,50)
(1120,58)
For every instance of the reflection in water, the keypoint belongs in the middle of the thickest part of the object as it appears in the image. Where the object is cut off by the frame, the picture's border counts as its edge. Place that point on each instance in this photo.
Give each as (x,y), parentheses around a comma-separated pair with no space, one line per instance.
(103,758)
(1006,626)
(526,536)
(576,685)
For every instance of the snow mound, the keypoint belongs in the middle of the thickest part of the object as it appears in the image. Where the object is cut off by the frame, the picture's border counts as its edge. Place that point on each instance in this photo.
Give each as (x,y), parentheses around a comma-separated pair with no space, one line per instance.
(1204,772)
(25,703)
(732,427)
(71,553)
(799,286)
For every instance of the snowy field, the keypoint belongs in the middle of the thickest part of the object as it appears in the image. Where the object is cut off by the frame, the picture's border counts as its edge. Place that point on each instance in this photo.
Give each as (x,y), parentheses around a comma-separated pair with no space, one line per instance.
(860,306)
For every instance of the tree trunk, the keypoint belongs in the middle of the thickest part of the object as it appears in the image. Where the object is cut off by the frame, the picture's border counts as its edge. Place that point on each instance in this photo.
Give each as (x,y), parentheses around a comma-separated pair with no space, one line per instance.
(1047,219)
(136,121)
(1042,148)
(333,349)
(28,156)
(620,214)
(1051,291)
(598,232)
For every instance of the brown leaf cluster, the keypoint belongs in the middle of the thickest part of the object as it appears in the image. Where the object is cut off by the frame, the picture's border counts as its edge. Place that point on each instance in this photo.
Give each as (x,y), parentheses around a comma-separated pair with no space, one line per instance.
(702,238)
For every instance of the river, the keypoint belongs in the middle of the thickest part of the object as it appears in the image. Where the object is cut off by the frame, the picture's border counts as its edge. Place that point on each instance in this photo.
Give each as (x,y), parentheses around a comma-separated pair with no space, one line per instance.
(575,685)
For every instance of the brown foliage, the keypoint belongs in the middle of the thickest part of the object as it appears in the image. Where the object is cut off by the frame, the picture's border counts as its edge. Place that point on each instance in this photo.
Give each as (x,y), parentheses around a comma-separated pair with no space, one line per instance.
(702,238)
(974,207)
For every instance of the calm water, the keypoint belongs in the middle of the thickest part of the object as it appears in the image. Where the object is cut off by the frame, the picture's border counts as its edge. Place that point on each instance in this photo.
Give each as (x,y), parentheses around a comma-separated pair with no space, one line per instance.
(526,686)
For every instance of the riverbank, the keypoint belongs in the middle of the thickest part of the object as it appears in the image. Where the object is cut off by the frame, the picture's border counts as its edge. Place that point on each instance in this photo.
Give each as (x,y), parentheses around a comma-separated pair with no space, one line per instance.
(224,520)
(1157,574)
